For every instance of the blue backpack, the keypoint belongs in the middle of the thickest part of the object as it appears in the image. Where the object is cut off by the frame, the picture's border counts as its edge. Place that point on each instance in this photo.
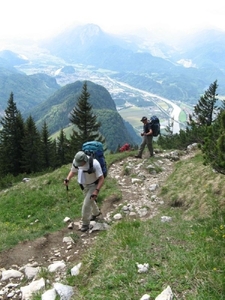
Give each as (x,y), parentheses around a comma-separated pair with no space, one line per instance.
(95,150)
(155,125)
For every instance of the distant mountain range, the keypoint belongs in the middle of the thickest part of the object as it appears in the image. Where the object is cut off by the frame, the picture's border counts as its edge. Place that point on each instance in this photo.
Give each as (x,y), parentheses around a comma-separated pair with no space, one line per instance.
(178,74)
(28,91)
(39,78)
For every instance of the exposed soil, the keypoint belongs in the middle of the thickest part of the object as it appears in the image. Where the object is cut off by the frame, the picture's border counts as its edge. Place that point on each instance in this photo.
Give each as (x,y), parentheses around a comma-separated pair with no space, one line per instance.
(51,247)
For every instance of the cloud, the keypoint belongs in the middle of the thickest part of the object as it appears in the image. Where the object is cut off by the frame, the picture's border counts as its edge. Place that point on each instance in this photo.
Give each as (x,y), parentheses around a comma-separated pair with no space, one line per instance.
(39,19)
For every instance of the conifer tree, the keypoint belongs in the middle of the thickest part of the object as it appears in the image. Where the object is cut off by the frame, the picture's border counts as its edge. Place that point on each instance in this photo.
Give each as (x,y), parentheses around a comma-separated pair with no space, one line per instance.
(62,149)
(205,113)
(11,137)
(214,144)
(87,126)
(31,159)
(47,151)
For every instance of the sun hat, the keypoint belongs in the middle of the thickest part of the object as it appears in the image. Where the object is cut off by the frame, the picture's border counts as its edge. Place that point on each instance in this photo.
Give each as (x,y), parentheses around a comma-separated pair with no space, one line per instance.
(80,158)
(143,119)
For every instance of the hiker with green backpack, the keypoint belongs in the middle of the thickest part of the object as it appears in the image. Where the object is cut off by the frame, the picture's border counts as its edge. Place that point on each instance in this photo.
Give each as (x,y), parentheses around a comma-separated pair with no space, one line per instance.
(90,178)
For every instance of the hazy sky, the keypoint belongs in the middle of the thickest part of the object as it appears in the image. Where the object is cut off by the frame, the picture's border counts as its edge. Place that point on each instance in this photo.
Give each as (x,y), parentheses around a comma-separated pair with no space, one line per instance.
(42,18)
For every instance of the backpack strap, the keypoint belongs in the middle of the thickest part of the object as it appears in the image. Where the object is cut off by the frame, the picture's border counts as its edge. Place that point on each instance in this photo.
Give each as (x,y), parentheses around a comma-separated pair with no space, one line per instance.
(91,167)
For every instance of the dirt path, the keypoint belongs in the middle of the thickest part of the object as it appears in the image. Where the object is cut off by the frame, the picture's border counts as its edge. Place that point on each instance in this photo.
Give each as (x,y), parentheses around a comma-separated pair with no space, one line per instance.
(136,195)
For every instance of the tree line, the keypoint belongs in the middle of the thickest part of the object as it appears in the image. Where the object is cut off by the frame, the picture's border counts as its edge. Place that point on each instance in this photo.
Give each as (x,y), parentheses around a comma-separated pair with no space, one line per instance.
(205,126)
(26,150)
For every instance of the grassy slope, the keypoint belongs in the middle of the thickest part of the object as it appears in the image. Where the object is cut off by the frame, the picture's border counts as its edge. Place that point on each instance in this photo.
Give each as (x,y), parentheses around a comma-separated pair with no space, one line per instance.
(187,253)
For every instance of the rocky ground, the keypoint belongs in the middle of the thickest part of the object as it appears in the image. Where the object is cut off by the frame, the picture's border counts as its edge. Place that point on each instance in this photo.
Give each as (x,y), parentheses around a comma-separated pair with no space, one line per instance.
(139,200)
(51,246)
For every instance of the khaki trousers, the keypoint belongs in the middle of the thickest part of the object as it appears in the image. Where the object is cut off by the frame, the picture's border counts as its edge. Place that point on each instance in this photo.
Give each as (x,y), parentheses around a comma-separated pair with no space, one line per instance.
(89,205)
(147,140)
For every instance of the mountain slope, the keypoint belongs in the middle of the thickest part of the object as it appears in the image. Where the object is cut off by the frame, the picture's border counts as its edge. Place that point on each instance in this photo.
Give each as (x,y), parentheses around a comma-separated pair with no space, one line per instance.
(57,108)
(28,90)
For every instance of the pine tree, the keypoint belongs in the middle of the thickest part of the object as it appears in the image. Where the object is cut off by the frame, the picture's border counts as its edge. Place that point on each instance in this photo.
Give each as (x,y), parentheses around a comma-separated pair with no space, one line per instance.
(87,126)
(220,165)
(47,151)
(31,160)
(214,144)
(205,113)
(62,149)
(11,137)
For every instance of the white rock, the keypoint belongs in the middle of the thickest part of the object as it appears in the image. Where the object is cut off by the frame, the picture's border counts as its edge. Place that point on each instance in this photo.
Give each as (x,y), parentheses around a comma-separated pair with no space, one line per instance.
(145,297)
(49,295)
(117,217)
(26,179)
(31,272)
(143,212)
(135,180)
(65,291)
(142,268)
(166,219)
(10,295)
(193,146)
(76,270)
(33,287)
(68,239)
(125,207)
(153,187)
(11,274)
(99,226)
(56,266)
(66,219)
(132,214)
(167,294)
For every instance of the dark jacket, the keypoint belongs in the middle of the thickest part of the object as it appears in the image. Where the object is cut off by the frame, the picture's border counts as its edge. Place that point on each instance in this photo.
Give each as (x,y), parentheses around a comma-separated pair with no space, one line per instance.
(147,127)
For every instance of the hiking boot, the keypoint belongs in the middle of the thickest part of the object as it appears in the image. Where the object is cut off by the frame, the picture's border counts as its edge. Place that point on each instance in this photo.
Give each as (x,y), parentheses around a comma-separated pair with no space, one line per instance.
(93,218)
(84,228)
(137,156)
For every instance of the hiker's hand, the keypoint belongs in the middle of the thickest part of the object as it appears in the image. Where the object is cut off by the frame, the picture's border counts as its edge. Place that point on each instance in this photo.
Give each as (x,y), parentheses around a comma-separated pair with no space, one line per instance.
(66,181)
(93,197)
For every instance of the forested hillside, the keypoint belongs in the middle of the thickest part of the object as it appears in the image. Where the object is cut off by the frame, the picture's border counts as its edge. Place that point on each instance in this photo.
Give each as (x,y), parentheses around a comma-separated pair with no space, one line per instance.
(55,111)
(29,91)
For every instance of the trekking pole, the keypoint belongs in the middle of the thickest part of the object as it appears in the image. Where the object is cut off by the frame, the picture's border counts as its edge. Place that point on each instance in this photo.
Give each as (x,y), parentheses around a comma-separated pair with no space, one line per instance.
(67,189)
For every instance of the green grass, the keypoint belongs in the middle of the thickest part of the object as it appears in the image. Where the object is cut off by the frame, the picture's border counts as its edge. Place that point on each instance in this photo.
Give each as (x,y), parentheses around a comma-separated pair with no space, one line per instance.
(186,253)
(32,209)
(184,257)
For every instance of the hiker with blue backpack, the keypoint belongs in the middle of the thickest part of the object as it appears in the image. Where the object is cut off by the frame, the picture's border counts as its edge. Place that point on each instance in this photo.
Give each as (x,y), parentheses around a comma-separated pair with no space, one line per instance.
(90,178)
(150,129)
